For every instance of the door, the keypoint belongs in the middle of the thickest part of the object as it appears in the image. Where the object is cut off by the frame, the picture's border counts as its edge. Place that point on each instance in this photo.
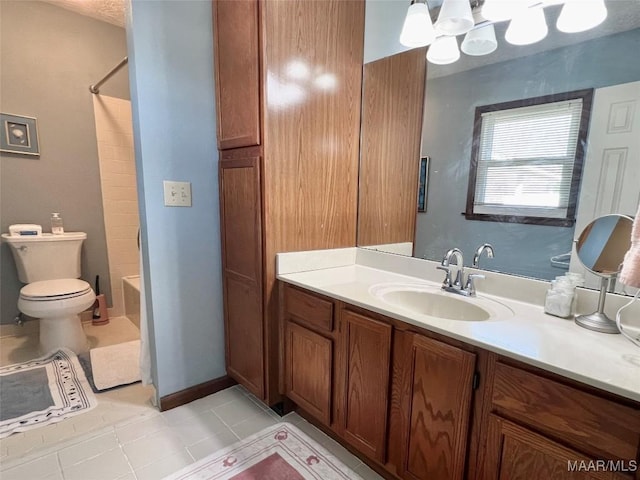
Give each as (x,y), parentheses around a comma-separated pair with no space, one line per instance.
(240,220)
(236,44)
(367,345)
(611,173)
(309,367)
(515,453)
(440,400)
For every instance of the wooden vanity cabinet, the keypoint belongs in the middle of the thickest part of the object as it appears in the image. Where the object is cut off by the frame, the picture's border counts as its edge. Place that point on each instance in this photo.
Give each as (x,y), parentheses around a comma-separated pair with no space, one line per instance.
(515,452)
(537,422)
(300,192)
(419,405)
(365,370)
(345,367)
(309,352)
(439,392)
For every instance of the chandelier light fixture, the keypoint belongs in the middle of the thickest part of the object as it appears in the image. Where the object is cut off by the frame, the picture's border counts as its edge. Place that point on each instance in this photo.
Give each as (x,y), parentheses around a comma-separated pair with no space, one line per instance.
(581,15)
(480,41)
(417,30)
(444,51)
(455,17)
(527,25)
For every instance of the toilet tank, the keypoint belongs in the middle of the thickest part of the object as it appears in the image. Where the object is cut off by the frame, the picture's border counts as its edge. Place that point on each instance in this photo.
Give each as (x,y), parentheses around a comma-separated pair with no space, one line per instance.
(46,257)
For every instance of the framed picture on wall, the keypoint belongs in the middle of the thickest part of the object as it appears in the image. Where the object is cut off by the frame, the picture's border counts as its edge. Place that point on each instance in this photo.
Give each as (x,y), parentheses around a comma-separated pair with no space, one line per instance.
(18,135)
(423,182)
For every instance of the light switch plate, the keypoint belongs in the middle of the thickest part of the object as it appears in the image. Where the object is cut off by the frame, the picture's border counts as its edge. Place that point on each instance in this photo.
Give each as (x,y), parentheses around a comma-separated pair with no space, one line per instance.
(177,194)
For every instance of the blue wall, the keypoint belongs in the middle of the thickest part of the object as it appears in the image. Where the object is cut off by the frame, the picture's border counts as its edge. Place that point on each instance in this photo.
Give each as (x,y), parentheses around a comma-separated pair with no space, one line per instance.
(447,137)
(172,93)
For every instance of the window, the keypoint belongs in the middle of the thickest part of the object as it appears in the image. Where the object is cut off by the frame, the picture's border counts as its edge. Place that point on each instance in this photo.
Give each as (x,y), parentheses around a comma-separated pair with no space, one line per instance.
(527,158)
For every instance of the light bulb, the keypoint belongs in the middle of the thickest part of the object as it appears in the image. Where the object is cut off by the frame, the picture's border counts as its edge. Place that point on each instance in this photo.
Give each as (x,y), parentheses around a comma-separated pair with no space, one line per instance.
(480,41)
(455,17)
(443,51)
(529,26)
(417,30)
(581,15)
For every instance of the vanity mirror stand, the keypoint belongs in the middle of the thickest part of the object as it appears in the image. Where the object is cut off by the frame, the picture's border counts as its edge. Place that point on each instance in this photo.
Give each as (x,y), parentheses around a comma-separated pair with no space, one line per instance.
(601,248)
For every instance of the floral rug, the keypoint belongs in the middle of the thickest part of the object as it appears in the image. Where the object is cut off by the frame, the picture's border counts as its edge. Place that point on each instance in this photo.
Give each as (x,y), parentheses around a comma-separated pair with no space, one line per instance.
(280,452)
(43,391)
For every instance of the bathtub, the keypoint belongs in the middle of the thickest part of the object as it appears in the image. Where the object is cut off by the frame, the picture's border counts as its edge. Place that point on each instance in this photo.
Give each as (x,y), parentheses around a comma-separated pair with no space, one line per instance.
(131,294)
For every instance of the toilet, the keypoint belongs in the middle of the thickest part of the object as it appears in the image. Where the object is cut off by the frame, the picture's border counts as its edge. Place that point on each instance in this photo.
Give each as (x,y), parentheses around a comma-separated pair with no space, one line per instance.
(50,266)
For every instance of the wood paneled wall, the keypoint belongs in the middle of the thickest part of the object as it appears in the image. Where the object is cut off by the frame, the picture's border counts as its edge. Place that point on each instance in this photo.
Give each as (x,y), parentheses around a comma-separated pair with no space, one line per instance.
(312,55)
(392,108)
(312,122)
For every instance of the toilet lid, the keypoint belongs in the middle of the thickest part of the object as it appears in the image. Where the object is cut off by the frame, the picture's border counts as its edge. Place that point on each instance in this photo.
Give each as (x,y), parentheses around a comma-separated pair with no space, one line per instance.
(55,288)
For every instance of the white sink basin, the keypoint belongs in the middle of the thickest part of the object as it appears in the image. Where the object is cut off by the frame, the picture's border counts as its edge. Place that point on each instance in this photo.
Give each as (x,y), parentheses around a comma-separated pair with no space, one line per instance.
(433,302)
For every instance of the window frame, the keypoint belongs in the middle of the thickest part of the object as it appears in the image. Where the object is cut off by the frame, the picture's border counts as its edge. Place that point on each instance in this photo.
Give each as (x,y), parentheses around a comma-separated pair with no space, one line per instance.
(576,177)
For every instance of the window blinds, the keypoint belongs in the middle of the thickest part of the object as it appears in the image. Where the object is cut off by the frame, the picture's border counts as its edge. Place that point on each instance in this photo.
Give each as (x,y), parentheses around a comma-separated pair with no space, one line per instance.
(526,158)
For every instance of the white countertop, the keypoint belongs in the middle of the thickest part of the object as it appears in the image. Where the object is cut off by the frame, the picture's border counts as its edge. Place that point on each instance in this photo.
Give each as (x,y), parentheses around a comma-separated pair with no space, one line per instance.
(524,333)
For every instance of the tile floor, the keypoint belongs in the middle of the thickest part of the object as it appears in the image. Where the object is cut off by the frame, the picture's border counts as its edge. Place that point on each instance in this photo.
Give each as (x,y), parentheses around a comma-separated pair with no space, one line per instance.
(125,437)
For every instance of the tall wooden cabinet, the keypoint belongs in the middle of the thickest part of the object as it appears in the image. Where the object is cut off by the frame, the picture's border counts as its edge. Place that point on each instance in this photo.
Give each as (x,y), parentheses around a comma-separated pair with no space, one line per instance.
(241,214)
(288,88)
(237,71)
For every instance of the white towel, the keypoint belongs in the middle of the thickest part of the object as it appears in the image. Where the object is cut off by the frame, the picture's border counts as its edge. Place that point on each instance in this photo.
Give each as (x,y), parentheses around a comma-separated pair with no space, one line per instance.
(630,273)
(116,364)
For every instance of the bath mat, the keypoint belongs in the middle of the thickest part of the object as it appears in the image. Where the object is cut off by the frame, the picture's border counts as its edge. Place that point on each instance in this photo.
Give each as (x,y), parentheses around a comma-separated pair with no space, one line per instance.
(280,452)
(115,365)
(43,391)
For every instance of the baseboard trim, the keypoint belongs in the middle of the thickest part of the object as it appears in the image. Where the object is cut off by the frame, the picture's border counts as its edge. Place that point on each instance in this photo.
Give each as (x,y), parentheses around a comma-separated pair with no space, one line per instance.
(193,393)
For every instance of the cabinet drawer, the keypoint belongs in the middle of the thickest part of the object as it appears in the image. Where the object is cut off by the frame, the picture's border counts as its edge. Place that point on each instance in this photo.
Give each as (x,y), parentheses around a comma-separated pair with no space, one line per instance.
(308,309)
(590,423)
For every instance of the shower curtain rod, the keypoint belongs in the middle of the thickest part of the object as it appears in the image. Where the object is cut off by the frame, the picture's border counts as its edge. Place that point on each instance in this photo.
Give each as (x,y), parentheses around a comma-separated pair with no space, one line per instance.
(95,88)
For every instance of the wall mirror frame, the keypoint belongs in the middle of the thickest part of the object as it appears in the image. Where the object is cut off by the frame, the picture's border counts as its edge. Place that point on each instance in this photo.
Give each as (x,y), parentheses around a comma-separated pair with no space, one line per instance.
(387,217)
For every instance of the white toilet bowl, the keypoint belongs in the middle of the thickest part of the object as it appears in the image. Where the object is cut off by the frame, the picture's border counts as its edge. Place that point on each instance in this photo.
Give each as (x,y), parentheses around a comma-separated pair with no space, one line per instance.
(57,304)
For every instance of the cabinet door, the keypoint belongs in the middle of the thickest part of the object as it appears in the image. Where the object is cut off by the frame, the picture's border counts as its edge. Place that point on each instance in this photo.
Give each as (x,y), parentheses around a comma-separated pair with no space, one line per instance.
(367,350)
(309,364)
(440,394)
(235,29)
(242,270)
(515,453)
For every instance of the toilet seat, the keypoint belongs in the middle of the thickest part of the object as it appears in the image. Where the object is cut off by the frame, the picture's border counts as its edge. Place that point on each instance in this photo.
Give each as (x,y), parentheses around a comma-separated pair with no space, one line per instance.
(56,298)
(54,290)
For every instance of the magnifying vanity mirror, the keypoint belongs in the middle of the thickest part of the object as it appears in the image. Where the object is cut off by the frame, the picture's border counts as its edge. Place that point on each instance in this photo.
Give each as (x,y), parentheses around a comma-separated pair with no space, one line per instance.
(593,76)
(601,248)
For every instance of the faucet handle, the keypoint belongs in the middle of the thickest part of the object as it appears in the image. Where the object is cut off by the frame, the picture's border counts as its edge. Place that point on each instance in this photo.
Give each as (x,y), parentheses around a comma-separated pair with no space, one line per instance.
(447,278)
(470,286)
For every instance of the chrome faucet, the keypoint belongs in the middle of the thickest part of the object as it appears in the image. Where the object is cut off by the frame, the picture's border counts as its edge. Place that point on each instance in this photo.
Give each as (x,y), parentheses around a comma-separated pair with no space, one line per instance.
(456,286)
(446,261)
(481,249)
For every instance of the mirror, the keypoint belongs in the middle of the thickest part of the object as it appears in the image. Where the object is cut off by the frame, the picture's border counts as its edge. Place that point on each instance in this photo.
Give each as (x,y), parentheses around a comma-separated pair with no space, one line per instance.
(601,248)
(599,59)
(603,243)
